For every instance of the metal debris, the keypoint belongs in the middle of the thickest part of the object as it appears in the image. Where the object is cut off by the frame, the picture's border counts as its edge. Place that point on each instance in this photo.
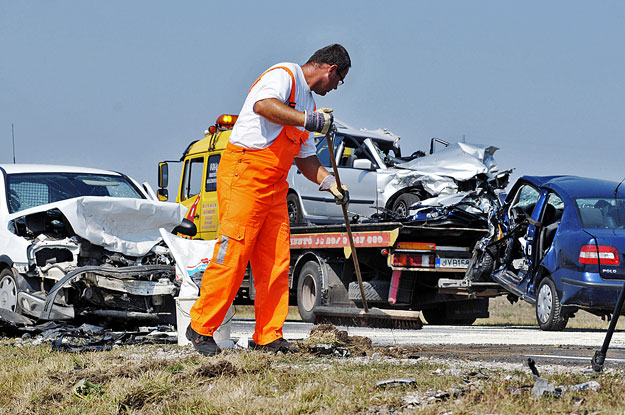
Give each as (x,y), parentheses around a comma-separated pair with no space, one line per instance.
(392,383)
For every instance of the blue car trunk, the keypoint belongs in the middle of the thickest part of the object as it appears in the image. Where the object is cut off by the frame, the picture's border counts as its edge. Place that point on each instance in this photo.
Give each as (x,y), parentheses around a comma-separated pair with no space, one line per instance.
(611,250)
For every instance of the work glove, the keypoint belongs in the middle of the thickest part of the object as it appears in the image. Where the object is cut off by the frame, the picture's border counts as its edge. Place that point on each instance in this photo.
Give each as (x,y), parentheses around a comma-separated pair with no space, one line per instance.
(319,121)
(329,185)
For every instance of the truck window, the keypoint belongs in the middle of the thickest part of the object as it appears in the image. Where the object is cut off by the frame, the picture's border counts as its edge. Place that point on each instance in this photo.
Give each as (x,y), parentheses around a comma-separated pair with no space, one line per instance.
(192,179)
(211,173)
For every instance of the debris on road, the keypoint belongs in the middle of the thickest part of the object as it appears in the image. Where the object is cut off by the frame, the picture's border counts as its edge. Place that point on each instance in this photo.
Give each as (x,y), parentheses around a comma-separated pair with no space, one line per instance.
(325,339)
(392,383)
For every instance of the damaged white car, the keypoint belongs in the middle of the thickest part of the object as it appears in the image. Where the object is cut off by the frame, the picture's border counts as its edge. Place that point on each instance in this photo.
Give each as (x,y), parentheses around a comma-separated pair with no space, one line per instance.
(382,183)
(78,242)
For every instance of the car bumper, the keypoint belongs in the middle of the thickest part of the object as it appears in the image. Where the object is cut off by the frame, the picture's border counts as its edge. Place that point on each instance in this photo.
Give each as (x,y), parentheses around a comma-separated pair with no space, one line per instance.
(592,292)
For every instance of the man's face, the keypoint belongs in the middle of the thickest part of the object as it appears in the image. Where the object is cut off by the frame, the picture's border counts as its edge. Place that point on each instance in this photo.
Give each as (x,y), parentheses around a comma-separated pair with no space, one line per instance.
(331,79)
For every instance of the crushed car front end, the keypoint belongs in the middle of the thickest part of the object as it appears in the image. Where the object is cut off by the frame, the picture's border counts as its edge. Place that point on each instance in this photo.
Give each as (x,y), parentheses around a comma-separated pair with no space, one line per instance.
(85,256)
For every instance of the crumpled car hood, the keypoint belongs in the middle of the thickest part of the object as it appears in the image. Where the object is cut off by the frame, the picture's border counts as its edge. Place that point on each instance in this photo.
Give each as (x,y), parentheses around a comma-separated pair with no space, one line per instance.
(127,226)
(438,172)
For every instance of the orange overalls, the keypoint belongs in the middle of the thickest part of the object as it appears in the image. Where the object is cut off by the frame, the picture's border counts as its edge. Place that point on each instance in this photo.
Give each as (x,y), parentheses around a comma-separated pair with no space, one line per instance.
(254,227)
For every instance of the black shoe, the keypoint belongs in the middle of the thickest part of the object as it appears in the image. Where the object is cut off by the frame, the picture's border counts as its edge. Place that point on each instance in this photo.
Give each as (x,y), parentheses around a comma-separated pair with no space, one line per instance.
(203,344)
(277,346)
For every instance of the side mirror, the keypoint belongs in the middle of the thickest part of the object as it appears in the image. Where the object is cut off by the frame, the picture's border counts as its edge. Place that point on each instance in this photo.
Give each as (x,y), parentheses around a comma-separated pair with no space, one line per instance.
(362,164)
(162,195)
(163,174)
(187,227)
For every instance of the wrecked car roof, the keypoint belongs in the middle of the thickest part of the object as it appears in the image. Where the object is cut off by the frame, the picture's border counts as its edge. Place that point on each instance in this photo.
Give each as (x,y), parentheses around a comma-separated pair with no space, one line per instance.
(127,226)
(575,186)
(379,134)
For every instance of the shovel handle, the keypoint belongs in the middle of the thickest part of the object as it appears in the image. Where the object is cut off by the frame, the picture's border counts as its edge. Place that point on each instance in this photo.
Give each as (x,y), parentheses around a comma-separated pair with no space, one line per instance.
(346,219)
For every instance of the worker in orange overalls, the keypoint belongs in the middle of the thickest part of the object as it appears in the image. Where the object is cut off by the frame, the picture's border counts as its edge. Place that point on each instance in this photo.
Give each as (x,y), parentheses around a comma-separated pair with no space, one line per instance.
(272,130)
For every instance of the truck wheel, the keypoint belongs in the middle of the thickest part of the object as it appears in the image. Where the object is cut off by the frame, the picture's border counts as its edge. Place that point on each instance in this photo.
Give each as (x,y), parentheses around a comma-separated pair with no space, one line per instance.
(309,290)
(295,209)
(548,307)
(8,291)
(403,202)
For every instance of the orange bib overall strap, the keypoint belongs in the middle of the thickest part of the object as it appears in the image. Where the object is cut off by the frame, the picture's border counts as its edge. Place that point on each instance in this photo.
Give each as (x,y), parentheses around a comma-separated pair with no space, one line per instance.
(293,133)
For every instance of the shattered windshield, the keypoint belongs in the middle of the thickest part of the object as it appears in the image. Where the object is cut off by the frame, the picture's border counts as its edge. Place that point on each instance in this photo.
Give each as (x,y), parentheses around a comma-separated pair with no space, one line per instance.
(601,212)
(29,190)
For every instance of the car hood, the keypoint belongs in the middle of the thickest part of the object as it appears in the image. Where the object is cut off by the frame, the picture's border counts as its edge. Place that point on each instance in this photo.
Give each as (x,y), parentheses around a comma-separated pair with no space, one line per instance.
(439,172)
(127,226)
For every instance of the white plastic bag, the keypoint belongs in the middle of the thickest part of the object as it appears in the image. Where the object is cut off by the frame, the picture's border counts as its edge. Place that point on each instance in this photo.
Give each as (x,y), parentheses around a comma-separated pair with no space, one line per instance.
(192,256)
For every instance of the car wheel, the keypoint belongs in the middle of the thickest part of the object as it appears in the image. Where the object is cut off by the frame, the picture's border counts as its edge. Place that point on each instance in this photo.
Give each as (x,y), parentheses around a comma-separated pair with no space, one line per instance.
(309,290)
(402,204)
(295,209)
(8,291)
(548,308)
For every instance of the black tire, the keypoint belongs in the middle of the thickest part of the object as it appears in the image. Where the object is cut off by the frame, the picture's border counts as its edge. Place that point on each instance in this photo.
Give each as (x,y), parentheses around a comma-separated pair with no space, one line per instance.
(403,202)
(295,209)
(549,313)
(9,287)
(436,316)
(309,290)
(481,265)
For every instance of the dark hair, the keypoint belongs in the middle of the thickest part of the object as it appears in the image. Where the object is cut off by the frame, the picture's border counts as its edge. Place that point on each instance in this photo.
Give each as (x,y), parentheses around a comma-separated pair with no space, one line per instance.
(333,55)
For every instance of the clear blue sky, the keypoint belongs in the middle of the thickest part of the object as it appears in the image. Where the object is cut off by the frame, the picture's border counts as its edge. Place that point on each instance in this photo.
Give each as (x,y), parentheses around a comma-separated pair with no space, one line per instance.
(124,84)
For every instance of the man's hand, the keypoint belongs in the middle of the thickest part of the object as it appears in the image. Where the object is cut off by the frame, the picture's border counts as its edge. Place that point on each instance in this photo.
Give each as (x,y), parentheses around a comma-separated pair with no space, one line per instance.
(319,121)
(341,197)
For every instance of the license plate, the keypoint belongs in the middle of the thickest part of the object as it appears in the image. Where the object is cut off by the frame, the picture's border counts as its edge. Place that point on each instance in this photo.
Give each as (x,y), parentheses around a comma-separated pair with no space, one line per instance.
(452,262)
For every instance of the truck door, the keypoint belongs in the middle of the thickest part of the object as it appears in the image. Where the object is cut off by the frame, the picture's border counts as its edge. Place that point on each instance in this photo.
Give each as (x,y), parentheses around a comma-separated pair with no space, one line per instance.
(208,205)
(191,190)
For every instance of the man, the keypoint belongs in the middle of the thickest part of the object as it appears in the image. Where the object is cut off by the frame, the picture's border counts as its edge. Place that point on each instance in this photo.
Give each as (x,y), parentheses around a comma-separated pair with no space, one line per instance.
(273,128)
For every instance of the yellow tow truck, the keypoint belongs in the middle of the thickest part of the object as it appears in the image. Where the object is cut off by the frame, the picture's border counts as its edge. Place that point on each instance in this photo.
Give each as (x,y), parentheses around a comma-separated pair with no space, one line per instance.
(197,189)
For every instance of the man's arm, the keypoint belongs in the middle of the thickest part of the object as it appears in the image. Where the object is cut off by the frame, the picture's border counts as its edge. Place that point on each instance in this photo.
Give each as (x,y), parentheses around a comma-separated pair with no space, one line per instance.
(277,112)
(312,169)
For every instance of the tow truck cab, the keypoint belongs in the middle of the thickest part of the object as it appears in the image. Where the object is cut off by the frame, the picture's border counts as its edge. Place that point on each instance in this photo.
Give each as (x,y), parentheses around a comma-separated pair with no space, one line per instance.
(197,189)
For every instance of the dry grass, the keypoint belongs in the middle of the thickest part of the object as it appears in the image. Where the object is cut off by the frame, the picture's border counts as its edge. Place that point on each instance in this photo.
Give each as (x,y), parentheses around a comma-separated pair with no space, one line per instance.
(173,380)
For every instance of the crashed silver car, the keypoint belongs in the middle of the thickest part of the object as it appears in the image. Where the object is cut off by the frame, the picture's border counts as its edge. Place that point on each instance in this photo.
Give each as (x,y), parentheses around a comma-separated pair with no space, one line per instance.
(382,183)
(78,242)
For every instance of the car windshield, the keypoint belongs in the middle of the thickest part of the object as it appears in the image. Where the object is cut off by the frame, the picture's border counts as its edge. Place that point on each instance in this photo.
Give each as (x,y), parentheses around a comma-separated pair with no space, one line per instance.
(601,212)
(29,190)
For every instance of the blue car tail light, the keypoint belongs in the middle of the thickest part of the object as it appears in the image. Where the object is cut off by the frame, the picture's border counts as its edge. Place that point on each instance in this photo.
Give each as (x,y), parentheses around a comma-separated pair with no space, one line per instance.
(599,254)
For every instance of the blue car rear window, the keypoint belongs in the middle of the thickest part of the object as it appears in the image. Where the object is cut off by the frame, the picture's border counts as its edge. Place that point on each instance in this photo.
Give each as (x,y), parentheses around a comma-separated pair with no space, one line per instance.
(601,212)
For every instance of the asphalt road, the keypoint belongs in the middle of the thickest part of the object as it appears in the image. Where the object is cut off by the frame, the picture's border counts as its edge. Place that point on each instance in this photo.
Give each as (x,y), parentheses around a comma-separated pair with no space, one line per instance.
(502,343)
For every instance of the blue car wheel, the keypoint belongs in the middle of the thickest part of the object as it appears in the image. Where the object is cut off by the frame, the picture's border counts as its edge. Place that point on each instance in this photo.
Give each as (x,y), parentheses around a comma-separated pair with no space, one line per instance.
(548,307)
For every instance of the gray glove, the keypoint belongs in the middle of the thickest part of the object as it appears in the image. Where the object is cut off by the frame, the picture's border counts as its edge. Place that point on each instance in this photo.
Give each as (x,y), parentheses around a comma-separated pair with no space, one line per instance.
(319,121)
(341,197)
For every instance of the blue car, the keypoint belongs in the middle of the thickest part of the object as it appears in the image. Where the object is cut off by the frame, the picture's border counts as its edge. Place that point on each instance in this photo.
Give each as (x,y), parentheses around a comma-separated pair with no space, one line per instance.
(557,242)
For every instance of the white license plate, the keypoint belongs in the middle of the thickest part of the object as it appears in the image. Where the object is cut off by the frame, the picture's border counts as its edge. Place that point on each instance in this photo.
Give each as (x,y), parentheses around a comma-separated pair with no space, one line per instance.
(452,262)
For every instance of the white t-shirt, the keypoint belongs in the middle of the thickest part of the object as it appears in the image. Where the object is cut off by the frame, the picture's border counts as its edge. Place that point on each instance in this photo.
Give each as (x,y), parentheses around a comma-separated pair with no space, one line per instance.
(256,132)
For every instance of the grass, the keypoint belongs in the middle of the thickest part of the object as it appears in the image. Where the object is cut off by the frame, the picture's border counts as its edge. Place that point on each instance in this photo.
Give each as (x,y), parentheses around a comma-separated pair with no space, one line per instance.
(173,380)
(157,379)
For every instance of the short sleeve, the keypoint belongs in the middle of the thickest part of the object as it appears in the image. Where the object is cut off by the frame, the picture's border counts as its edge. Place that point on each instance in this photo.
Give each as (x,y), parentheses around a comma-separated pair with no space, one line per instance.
(273,84)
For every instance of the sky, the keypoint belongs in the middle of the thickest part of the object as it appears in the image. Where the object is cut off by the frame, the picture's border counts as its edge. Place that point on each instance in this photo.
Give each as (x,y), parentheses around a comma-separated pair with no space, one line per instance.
(122,85)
